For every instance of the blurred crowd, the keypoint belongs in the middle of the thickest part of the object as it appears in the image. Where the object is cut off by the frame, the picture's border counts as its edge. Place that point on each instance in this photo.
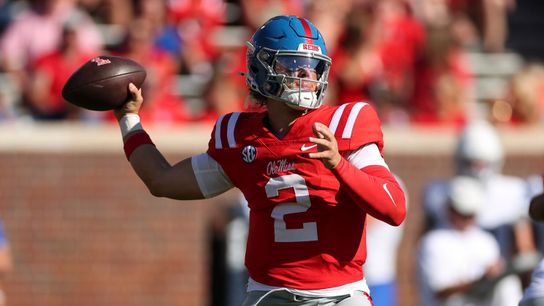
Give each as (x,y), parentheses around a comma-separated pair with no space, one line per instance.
(406,57)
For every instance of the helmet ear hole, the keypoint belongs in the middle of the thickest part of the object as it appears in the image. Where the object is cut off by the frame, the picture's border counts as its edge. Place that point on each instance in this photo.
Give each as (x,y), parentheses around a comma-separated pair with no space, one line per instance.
(265,56)
(272,88)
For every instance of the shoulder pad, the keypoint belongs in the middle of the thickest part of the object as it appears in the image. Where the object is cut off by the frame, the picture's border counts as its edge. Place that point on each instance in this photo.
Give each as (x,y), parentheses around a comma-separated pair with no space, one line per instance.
(355,125)
(223,132)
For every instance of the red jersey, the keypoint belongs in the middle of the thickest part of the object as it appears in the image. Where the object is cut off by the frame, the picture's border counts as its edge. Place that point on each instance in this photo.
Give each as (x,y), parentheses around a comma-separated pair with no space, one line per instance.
(305,230)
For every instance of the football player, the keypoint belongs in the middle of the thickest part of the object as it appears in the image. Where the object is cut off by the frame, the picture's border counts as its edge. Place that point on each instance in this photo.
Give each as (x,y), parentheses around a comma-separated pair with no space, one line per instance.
(311,173)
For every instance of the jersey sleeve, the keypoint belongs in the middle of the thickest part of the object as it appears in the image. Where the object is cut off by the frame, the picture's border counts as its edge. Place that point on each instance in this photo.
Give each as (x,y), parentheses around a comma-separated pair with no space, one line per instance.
(210,176)
(364,174)
(355,125)
(374,189)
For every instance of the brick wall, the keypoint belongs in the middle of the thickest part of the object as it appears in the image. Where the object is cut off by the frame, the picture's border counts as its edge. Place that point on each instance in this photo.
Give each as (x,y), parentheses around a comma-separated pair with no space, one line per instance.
(85,231)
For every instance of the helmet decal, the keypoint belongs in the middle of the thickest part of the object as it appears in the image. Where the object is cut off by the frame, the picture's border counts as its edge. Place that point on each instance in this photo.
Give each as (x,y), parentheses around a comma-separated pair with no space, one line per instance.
(307,30)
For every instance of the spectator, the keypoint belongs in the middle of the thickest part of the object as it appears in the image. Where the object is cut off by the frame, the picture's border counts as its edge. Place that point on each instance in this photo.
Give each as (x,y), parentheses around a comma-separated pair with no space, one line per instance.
(36,31)
(524,100)
(256,12)
(8,9)
(329,16)
(163,26)
(402,41)
(227,89)
(5,262)
(457,14)
(442,82)
(358,69)
(109,12)
(480,25)
(9,106)
(198,22)
(479,154)
(163,107)
(495,23)
(49,73)
(460,264)
(22,43)
(376,62)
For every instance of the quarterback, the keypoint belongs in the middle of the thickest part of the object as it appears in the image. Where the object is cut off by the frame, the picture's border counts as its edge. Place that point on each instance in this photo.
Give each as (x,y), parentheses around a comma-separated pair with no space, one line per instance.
(311,173)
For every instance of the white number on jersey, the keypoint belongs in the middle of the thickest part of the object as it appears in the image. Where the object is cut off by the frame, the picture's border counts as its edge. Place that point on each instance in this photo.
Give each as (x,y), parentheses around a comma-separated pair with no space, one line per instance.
(308,232)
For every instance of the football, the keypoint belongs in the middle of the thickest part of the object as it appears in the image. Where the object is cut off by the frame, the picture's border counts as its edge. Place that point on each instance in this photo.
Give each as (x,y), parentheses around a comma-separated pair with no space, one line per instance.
(102,82)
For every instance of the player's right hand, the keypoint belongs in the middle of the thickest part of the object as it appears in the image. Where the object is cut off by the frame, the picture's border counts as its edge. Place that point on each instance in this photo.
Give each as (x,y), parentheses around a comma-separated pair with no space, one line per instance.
(132,106)
(327,147)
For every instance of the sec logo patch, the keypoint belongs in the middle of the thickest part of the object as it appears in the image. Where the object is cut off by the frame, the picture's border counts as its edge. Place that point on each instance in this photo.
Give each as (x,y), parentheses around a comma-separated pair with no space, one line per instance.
(249,154)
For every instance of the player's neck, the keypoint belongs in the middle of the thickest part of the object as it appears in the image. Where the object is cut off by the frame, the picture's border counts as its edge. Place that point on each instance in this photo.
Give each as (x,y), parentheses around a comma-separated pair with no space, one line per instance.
(281,117)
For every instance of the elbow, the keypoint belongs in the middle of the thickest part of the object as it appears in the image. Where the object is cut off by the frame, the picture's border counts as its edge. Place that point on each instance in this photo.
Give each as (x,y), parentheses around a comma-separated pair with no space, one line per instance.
(393,218)
(397,214)
(155,188)
(398,218)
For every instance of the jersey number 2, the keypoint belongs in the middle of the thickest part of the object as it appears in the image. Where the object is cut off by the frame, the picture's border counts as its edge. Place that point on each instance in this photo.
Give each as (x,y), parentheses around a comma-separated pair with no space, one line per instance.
(308,232)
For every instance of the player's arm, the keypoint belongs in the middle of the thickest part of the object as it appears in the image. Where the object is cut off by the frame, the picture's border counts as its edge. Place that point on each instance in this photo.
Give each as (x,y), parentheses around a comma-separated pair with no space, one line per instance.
(185,180)
(163,179)
(372,186)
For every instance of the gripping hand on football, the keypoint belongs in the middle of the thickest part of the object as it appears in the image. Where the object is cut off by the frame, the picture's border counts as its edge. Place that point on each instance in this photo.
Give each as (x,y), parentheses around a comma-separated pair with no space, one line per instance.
(327,147)
(132,106)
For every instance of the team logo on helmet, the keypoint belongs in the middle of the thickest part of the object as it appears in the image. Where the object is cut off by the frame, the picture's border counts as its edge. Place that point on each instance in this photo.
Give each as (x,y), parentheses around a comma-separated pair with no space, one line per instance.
(249,153)
(309,47)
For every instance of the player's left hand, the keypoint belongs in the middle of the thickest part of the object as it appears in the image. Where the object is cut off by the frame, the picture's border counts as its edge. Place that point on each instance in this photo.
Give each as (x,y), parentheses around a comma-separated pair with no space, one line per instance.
(327,147)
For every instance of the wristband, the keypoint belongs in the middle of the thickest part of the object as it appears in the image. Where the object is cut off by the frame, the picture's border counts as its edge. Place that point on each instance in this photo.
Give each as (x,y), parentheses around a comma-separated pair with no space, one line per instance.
(130,123)
(134,141)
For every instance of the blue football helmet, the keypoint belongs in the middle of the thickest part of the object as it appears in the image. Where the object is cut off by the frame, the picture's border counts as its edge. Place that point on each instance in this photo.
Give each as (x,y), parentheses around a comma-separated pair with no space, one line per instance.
(287,61)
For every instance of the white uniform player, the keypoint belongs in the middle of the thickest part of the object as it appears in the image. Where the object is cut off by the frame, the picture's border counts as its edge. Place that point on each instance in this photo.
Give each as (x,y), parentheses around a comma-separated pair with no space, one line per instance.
(480,154)
(455,261)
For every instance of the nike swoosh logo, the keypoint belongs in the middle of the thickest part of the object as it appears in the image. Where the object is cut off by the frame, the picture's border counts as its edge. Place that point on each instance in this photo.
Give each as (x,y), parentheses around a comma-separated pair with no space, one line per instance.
(389,194)
(306,148)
